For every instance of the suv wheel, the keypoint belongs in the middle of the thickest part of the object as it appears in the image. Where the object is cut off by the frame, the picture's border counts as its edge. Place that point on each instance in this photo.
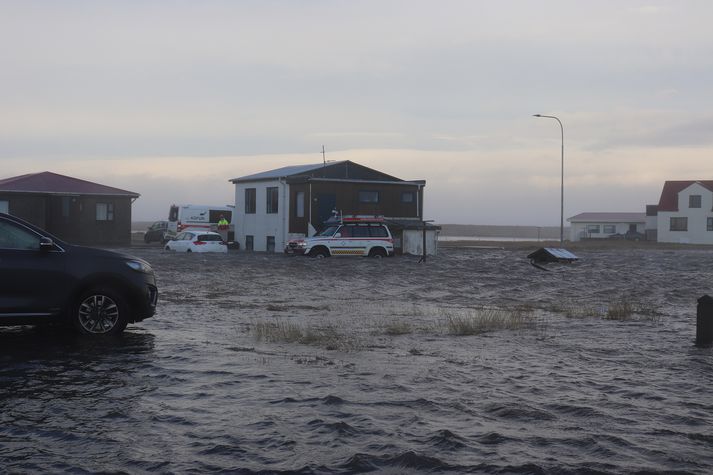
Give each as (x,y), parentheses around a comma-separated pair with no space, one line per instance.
(100,311)
(319,253)
(377,253)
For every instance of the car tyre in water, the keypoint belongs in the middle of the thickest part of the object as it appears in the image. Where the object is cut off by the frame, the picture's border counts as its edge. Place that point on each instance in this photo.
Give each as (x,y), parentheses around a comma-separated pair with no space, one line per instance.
(319,254)
(146,238)
(100,311)
(377,253)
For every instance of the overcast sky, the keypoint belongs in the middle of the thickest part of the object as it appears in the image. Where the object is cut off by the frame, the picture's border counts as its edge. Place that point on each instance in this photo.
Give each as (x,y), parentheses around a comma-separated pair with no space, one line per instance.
(171,99)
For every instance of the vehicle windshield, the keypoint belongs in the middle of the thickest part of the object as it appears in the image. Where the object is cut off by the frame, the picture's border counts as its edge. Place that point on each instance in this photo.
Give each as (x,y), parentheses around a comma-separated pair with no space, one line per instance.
(329,231)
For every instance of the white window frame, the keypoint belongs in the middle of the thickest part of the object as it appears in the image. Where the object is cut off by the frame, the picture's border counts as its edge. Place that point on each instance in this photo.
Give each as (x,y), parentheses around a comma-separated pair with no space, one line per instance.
(300,204)
(105,212)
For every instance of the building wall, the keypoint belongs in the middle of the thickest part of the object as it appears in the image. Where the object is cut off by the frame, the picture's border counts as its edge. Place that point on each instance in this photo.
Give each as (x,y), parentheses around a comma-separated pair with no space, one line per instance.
(578,230)
(79,225)
(30,207)
(285,224)
(261,224)
(347,201)
(697,232)
(412,242)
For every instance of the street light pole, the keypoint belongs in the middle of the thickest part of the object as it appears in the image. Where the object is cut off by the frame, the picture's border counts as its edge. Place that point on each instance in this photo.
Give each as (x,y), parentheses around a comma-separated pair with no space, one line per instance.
(562,178)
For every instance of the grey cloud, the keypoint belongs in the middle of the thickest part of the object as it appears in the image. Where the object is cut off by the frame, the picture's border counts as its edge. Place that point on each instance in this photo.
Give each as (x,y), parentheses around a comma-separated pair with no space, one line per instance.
(697,133)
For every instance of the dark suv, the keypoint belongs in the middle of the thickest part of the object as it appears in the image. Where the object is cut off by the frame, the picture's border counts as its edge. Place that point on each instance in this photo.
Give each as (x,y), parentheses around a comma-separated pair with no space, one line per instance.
(156,232)
(46,280)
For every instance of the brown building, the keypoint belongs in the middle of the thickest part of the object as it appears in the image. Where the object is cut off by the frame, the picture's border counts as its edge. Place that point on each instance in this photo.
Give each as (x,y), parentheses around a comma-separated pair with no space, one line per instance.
(77,211)
(277,205)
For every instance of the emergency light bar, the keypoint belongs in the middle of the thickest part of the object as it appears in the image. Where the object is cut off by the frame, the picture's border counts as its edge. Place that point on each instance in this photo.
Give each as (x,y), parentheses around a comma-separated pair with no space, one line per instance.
(362,218)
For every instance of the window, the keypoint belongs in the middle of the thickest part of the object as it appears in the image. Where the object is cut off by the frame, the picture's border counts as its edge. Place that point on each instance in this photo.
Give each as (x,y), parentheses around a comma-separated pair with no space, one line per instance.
(105,211)
(65,206)
(609,228)
(4,207)
(709,224)
(378,231)
(209,237)
(215,214)
(694,201)
(360,231)
(407,197)
(271,200)
(14,237)
(679,224)
(593,229)
(368,197)
(250,200)
(300,204)
(248,243)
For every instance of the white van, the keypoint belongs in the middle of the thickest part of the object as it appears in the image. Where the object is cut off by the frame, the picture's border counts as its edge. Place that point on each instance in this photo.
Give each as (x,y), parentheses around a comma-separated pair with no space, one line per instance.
(197,218)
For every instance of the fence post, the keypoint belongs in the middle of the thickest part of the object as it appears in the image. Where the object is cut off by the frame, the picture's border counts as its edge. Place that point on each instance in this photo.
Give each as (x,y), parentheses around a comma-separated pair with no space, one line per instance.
(704,321)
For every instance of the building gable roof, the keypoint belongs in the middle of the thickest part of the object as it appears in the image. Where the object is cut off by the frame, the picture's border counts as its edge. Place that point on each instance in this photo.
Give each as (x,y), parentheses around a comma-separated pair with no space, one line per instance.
(283,172)
(344,169)
(53,183)
(671,189)
(608,218)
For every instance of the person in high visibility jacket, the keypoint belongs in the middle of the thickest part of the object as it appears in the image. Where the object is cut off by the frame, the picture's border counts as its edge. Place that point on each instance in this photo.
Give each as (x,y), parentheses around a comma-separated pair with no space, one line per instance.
(223,223)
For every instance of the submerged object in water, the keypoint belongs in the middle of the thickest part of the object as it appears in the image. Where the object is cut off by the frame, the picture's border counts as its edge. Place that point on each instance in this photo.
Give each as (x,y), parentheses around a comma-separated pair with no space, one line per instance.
(551,254)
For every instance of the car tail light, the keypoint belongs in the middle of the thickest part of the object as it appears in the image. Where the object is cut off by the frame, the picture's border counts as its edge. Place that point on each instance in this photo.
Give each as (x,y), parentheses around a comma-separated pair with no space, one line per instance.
(199,243)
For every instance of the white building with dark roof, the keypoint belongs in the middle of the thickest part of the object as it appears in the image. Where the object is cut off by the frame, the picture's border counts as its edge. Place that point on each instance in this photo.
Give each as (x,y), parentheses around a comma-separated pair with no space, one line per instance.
(684,213)
(274,206)
(606,225)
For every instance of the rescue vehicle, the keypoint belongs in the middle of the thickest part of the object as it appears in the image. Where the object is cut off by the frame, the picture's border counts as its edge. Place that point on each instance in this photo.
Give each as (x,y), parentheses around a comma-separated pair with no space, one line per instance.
(195,218)
(348,235)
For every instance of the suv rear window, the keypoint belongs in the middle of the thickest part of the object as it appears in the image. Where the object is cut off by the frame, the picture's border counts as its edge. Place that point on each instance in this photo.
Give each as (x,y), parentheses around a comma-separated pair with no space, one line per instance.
(377,231)
(209,237)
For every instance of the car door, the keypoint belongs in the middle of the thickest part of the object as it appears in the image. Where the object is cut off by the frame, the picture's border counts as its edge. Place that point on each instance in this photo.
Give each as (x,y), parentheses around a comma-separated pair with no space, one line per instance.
(33,281)
(179,242)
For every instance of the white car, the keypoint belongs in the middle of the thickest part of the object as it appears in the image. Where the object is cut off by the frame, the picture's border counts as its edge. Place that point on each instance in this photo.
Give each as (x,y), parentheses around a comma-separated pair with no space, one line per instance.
(350,236)
(197,241)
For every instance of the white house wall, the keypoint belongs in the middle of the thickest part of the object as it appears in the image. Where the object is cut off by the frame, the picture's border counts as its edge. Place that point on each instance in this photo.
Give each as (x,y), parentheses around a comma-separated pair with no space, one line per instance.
(261,224)
(413,242)
(697,232)
(578,230)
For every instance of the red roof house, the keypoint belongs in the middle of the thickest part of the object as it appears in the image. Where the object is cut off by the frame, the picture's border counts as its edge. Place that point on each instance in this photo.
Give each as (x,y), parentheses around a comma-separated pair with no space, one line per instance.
(76,210)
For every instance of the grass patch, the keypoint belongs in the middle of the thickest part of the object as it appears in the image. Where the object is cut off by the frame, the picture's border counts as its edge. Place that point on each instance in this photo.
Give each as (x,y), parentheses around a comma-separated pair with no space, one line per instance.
(478,321)
(624,309)
(397,328)
(575,310)
(287,332)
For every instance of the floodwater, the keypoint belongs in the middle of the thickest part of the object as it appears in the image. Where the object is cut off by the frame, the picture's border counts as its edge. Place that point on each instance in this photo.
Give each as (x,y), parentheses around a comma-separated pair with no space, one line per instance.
(384,386)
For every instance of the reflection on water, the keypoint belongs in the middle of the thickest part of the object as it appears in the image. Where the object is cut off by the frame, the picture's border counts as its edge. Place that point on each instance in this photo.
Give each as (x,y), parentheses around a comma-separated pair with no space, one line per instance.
(191,390)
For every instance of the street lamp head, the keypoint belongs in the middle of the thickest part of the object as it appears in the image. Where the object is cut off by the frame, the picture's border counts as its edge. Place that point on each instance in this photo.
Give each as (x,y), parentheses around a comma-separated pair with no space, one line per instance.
(537,115)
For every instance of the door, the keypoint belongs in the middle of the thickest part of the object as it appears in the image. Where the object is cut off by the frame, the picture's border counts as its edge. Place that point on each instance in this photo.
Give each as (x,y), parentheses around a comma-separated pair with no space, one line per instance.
(326,202)
(33,282)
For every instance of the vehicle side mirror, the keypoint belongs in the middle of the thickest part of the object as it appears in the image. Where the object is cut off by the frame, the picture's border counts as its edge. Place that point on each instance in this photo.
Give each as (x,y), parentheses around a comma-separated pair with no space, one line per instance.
(46,244)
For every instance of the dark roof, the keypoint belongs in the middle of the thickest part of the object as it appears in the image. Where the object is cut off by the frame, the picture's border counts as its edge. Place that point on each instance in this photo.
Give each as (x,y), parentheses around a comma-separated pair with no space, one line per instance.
(283,172)
(671,189)
(343,170)
(53,183)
